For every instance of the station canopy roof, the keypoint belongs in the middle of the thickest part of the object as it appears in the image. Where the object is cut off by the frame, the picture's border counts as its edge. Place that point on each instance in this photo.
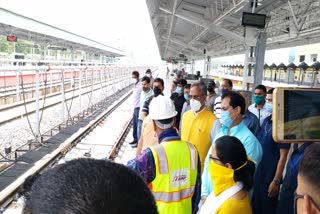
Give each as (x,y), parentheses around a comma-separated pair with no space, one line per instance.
(29,29)
(187,27)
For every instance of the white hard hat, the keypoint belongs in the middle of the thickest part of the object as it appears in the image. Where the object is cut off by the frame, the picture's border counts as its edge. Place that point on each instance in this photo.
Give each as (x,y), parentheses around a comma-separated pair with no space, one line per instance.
(161,107)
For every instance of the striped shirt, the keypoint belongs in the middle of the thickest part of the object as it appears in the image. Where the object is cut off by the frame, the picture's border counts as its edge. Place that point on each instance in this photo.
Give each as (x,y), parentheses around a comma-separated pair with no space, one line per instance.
(217,107)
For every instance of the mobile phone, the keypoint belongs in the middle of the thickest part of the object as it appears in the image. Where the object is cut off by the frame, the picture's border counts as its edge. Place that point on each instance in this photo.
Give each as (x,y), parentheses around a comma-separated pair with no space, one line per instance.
(296,115)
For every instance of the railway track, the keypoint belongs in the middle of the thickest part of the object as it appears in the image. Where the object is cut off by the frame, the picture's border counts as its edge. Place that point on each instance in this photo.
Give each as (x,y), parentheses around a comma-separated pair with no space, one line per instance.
(116,118)
(17,110)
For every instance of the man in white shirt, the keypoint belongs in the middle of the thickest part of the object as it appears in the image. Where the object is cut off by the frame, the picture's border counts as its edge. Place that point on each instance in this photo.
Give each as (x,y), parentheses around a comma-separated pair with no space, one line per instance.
(225,87)
(136,105)
(259,108)
(145,94)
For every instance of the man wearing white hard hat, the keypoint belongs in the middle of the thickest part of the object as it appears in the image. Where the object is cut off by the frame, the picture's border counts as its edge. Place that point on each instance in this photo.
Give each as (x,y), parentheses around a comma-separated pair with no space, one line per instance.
(171,168)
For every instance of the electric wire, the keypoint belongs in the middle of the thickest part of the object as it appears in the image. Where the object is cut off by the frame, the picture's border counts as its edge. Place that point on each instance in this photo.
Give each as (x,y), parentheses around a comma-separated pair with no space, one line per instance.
(44,97)
(73,90)
(25,108)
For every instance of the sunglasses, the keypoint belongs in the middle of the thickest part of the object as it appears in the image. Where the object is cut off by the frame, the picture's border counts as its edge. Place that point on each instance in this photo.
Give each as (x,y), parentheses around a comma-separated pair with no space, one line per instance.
(297,196)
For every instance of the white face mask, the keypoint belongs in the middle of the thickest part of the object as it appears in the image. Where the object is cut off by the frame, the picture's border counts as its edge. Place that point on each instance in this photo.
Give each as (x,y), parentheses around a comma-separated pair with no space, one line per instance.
(195,105)
(133,80)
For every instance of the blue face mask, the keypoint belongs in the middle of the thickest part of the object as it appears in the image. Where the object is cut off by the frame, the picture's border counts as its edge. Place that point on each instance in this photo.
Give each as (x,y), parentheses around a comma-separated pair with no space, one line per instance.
(225,118)
(186,96)
(224,91)
(179,90)
(269,107)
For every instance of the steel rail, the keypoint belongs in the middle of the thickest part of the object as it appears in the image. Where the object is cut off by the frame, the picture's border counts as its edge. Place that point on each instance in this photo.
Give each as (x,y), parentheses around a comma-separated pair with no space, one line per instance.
(7,195)
(15,117)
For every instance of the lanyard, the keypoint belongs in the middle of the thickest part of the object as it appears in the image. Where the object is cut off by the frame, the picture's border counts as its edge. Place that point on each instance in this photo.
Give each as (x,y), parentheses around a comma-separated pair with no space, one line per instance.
(293,164)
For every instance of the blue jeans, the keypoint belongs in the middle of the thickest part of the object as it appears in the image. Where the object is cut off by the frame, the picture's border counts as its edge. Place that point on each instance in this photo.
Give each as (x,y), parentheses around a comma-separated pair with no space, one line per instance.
(139,128)
(135,124)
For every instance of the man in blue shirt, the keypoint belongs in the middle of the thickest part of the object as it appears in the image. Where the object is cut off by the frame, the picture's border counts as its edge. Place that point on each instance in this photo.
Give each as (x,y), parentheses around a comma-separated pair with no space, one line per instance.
(232,109)
(269,172)
(289,185)
(249,119)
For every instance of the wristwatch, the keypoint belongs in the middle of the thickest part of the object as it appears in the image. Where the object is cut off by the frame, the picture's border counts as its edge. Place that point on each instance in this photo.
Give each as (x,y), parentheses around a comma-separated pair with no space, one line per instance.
(276,181)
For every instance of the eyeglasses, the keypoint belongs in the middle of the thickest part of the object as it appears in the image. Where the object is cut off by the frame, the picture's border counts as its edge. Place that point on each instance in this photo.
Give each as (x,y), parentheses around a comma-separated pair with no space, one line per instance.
(297,196)
(214,159)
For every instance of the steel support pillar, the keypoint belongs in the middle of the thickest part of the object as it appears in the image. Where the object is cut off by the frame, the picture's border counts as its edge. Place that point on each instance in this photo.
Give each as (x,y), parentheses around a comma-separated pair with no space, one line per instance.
(251,42)
(192,66)
(260,53)
(63,98)
(37,120)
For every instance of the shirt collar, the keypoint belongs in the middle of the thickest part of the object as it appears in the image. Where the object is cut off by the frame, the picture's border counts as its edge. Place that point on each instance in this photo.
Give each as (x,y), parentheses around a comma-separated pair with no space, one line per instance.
(168,134)
(233,129)
(263,107)
(149,92)
(196,114)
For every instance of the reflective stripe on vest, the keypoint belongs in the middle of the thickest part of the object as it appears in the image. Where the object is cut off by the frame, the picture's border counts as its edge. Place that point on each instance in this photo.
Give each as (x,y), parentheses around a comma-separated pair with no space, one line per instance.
(193,156)
(162,158)
(174,196)
(163,162)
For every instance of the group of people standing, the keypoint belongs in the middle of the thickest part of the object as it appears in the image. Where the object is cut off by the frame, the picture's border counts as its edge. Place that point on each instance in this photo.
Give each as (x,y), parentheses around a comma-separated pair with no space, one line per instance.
(197,152)
(239,163)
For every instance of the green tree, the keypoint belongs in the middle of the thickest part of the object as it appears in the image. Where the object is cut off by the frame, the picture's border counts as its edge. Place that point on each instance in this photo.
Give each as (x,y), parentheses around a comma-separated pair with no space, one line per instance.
(5,46)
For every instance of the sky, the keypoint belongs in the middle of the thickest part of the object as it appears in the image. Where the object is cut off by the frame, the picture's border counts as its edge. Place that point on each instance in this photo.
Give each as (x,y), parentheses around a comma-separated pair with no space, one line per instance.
(123,24)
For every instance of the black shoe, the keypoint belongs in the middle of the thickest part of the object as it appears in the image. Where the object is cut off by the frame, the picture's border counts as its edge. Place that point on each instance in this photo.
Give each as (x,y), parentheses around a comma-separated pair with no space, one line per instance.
(134,145)
(133,142)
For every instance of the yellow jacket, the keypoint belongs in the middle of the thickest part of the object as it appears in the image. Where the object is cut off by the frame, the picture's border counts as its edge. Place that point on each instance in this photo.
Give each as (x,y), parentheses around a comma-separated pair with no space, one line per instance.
(196,130)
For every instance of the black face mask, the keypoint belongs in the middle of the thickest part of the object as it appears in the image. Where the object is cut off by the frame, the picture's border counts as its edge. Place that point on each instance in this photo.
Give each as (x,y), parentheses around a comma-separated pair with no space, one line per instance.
(210,89)
(156,91)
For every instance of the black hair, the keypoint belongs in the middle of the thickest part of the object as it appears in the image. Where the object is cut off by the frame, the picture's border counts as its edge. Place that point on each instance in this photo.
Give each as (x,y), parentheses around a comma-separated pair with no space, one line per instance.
(183,82)
(235,100)
(309,167)
(270,91)
(159,80)
(188,86)
(229,82)
(211,83)
(145,78)
(166,121)
(89,186)
(261,87)
(135,73)
(202,87)
(148,71)
(175,82)
(230,150)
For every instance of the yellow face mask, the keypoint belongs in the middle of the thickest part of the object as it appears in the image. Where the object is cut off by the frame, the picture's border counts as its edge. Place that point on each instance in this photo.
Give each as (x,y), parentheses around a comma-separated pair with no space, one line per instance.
(222,177)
